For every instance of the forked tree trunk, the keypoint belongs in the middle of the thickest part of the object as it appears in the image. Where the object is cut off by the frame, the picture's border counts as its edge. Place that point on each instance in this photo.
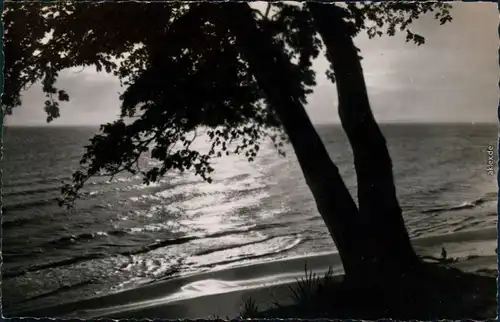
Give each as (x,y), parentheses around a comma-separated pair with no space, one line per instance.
(273,72)
(376,190)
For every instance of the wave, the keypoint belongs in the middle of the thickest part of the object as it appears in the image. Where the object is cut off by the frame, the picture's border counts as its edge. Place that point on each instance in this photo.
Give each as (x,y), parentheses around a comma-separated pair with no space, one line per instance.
(35,191)
(199,262)
(53,201)
(445,188)
(43,188)
(30,192)
(71,239)
(160,244)
(456,237)
(42,218)
(30,204)
(184,239)
(64,262)
(265,253)
(57,189)
(63,288)
(228,247)
(465,205)
(31,182)
(16,223)
(75,238)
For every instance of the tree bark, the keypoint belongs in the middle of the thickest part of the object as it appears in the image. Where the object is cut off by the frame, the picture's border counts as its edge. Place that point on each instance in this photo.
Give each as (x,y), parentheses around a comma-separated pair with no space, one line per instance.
(272,70)
(377,198)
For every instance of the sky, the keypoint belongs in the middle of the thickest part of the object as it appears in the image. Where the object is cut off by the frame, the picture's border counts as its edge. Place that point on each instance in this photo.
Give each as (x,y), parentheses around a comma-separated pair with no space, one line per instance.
(451,78)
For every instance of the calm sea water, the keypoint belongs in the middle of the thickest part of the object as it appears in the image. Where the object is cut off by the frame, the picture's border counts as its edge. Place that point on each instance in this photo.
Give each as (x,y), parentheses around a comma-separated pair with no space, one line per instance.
(124,233)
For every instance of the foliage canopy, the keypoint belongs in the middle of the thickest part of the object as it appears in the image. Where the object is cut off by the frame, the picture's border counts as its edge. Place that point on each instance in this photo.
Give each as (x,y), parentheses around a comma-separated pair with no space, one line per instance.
(180,71)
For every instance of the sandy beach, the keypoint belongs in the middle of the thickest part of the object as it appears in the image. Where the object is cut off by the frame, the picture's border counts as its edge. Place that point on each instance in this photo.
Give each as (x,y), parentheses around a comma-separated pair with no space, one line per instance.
(222,293)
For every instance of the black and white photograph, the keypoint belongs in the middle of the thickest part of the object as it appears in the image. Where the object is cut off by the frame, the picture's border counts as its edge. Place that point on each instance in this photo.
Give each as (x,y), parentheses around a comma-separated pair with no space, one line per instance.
(227,160)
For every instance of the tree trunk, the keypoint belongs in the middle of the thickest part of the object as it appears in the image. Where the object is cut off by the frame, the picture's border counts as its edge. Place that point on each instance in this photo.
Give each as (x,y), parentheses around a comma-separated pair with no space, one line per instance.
(273,72)
(377,198)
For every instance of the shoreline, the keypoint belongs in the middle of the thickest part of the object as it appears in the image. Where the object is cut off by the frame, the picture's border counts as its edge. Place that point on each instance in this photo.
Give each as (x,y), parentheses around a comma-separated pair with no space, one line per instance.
(223,291)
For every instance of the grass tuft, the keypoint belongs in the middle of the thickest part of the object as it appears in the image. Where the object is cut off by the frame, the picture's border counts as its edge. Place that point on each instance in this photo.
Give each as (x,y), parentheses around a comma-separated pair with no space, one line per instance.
(309,291)
(309,295)
(250,309)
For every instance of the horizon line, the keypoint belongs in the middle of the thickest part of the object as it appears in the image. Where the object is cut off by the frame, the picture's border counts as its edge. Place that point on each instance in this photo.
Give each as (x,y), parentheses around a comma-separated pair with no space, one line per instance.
(320,124)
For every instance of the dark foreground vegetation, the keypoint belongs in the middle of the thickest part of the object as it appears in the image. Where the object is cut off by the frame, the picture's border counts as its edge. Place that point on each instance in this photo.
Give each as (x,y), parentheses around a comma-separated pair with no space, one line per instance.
(437,292)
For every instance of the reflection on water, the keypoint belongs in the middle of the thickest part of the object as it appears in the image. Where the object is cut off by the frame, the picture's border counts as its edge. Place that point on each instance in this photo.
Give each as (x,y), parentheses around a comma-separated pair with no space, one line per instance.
(125,233)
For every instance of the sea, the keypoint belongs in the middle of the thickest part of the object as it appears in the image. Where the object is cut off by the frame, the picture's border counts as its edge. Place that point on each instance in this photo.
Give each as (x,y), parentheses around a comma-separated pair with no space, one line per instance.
(123,234)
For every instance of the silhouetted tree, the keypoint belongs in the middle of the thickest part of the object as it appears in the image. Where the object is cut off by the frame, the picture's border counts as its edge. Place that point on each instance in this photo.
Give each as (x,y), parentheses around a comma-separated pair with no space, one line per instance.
(377,198)
(242,77)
